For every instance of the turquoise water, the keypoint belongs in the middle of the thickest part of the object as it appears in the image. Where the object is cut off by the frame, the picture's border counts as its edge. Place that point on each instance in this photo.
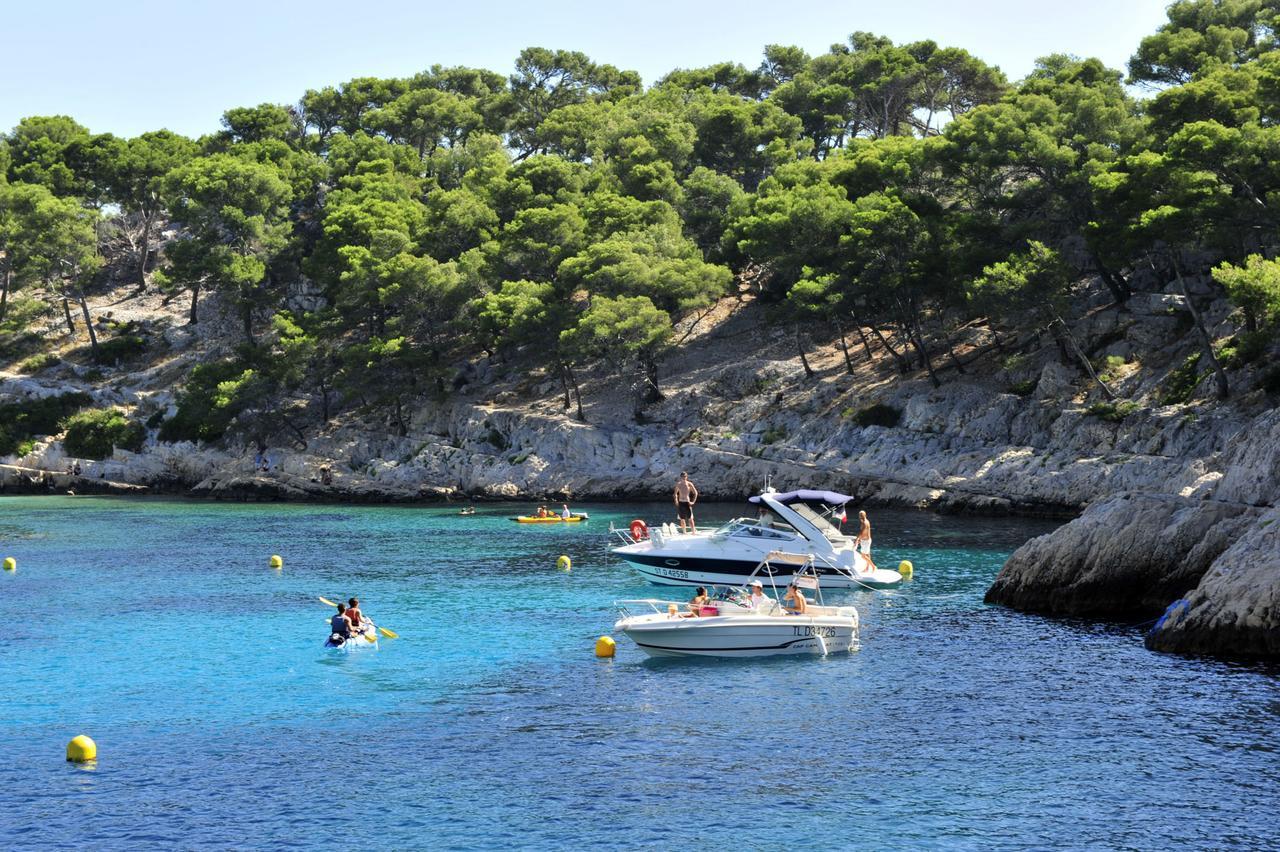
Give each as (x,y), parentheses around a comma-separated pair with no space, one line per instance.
(157,628)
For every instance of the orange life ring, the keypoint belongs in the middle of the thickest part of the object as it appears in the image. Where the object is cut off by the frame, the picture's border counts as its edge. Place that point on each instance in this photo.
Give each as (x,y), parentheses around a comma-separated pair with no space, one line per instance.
(639,530)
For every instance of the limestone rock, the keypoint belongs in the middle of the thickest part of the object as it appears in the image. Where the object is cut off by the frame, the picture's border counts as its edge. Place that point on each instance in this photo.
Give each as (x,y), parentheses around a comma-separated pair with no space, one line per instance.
(1235,611)
(1127,555)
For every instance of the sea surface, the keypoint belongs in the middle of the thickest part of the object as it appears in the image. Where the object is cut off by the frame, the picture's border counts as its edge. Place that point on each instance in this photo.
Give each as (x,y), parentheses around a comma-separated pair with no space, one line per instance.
(158,629)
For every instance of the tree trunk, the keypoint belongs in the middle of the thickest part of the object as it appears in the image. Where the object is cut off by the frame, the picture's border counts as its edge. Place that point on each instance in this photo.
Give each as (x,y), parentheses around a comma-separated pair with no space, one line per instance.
(1118,286)
(4,294)
(88,324)
(195,299)
(649,368)
(144,252)
(1063,333)
(898,357)
(324,400)
(866,345)
(844,347)
(1206,342)
(951,353)
(247,317)
(66,311)
(808,371)
(577,392)
(564,383)
(914,336)
(995,338)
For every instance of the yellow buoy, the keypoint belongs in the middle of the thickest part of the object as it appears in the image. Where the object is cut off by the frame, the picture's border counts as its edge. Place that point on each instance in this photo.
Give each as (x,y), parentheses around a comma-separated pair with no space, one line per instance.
(10,564)
(564,563)
(277,562)
(605,646)
(905,568)
(82,749)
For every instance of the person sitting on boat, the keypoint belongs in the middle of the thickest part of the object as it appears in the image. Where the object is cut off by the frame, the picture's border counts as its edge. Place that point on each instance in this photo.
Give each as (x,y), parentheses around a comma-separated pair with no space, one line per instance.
(354,614)
(700,600)
(564,512)
(759,600)
(340,624)
(797,604)
(542,511)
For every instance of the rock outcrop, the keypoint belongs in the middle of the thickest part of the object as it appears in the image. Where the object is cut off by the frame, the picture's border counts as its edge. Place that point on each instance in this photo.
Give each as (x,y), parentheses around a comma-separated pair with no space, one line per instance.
(1127,555)
(1235,610)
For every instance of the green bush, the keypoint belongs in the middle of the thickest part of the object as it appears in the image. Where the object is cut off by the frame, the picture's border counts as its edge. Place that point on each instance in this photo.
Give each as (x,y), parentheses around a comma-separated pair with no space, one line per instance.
(1181,381)
(1245,348)
(36,363)
(878,414)
(22,420)
(1112,412)
(202,415)
(1107,367)
(773,435)
(120,348)
(1024,388)
(95,433)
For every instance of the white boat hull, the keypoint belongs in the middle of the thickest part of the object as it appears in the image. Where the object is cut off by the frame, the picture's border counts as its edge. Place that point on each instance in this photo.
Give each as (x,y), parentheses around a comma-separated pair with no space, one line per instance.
(688,572)
(662,635)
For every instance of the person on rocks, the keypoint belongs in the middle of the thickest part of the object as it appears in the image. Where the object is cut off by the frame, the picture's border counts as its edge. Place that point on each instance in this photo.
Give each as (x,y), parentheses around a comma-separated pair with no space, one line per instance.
(686,494)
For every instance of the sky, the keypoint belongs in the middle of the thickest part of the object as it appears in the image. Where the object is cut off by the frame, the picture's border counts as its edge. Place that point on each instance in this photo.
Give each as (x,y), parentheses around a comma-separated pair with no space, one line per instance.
(136,65)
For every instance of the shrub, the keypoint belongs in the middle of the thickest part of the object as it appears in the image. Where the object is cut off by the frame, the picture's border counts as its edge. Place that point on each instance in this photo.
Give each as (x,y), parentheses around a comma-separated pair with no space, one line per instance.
(1181,381)
(878,414)
(1112,412)
(203,414)
(773,435)
(22,420)
(1024,388)
(1245,348)
(120,348)
(95,433)
(36,363)
(1107,367)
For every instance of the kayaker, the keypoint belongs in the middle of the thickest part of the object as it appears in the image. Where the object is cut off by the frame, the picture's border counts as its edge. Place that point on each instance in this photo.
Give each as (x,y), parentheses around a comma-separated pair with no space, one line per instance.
(565,513)
(686,494)
(340,625)
(542,511)
(354,614)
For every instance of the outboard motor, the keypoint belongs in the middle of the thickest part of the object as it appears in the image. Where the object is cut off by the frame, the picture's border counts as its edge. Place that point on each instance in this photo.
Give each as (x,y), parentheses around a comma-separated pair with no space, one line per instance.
(336,640)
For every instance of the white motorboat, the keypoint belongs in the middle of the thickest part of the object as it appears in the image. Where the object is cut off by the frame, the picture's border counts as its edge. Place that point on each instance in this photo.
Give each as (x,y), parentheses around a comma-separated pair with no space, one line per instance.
(366,636)
(729,554)
(731,627)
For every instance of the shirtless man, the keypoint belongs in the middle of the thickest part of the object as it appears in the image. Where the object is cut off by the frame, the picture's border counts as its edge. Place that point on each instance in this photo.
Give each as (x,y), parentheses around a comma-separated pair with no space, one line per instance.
(685,496)
(864,539)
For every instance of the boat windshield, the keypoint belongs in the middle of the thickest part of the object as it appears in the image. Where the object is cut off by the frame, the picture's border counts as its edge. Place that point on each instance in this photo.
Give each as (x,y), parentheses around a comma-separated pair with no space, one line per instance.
(769,528)
(828,529)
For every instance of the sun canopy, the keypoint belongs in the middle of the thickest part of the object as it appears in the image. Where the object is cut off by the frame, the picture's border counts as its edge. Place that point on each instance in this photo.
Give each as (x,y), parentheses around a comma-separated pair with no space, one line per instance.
(806,495)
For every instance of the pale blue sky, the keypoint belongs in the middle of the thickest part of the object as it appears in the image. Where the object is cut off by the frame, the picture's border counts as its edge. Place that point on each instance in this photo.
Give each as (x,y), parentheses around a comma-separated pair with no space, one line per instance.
(135,65)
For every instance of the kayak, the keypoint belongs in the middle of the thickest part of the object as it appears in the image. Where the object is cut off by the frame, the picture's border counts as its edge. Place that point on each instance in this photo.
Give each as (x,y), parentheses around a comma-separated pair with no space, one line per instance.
(555,519)
(366,637)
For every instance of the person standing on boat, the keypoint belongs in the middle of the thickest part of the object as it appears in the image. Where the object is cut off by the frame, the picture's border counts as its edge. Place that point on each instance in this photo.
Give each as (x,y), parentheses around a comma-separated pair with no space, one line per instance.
(686,494)
(864,539)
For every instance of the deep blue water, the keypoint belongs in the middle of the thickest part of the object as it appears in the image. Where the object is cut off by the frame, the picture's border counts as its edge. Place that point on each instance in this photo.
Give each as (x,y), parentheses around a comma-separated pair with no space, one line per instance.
(157,628)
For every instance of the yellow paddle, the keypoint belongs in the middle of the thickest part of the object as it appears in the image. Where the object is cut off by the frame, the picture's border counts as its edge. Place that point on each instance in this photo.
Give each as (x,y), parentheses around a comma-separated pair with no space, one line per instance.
(390,634)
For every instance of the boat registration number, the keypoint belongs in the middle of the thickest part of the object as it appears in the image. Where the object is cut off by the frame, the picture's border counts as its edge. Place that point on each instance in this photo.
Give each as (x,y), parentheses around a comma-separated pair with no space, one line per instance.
(810,630)
(668,572)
